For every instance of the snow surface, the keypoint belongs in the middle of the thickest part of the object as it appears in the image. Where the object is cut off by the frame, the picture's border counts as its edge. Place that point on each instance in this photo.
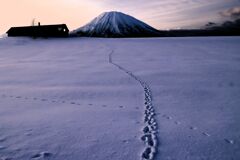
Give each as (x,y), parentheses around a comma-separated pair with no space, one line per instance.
(87,98)
(115,24)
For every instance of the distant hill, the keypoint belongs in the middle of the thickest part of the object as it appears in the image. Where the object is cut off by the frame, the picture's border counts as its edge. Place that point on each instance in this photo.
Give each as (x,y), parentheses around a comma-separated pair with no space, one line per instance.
(233,26)
(116,24)
(228,28)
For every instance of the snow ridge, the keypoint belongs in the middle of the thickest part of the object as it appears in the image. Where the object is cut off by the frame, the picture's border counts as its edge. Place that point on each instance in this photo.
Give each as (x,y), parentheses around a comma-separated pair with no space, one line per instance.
(151,127)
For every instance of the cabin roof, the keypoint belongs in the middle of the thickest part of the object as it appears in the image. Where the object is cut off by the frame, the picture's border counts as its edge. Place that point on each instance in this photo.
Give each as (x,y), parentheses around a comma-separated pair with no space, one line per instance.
(40,27)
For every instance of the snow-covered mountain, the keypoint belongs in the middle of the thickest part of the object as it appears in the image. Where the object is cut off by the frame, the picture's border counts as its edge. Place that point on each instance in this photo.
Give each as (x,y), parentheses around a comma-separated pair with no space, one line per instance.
(116,24)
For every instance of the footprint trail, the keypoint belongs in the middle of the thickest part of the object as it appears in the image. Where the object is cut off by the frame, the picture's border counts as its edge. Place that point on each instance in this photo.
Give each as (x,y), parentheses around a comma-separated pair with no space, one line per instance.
(150,129)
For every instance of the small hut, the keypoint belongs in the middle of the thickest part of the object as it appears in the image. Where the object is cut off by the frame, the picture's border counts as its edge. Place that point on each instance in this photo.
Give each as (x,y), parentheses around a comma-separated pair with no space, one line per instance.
(57,30)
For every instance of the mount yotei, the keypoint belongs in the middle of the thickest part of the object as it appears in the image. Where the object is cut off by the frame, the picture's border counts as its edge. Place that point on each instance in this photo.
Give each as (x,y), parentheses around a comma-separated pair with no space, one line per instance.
(116,24)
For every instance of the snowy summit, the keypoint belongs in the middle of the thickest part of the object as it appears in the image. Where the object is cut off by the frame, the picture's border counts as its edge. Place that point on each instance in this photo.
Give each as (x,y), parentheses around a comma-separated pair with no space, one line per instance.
(116,24)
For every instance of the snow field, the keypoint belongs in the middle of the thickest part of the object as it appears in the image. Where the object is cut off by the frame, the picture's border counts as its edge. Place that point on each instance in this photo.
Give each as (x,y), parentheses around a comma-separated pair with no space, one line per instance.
(87,98)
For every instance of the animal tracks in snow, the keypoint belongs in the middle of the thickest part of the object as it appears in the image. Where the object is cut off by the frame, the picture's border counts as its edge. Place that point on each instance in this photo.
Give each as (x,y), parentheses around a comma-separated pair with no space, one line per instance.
(150,129)
(206,134)
(177,122)
(45,100)
(6,158)
(229,141)
(2,139)
(43,155)
(193,128)
(2,148)
(150,124)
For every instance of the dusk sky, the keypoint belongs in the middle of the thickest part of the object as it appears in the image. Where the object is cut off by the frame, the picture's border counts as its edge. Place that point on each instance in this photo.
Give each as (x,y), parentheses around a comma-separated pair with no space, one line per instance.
(161,14)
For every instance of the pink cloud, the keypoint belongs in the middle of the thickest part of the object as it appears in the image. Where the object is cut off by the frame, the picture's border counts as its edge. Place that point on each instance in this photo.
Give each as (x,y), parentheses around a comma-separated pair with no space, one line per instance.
(232,12)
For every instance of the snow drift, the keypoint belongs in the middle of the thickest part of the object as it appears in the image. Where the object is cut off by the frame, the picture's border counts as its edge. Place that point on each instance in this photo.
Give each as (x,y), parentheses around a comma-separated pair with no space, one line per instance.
(116,24)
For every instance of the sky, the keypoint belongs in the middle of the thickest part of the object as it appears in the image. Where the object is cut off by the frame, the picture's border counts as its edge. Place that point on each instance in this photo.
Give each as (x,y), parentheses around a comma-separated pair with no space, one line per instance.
(161,14)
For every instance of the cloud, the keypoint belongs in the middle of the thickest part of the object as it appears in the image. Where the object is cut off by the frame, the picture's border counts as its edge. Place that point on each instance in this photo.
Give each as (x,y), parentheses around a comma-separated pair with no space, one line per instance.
(172,13)
(232,12)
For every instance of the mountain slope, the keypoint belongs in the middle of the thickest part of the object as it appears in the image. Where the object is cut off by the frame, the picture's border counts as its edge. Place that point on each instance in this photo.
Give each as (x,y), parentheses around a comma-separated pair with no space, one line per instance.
(116,24)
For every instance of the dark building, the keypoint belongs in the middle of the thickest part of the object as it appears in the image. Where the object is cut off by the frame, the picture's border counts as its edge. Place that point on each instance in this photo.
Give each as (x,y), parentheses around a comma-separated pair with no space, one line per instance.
(58,30)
